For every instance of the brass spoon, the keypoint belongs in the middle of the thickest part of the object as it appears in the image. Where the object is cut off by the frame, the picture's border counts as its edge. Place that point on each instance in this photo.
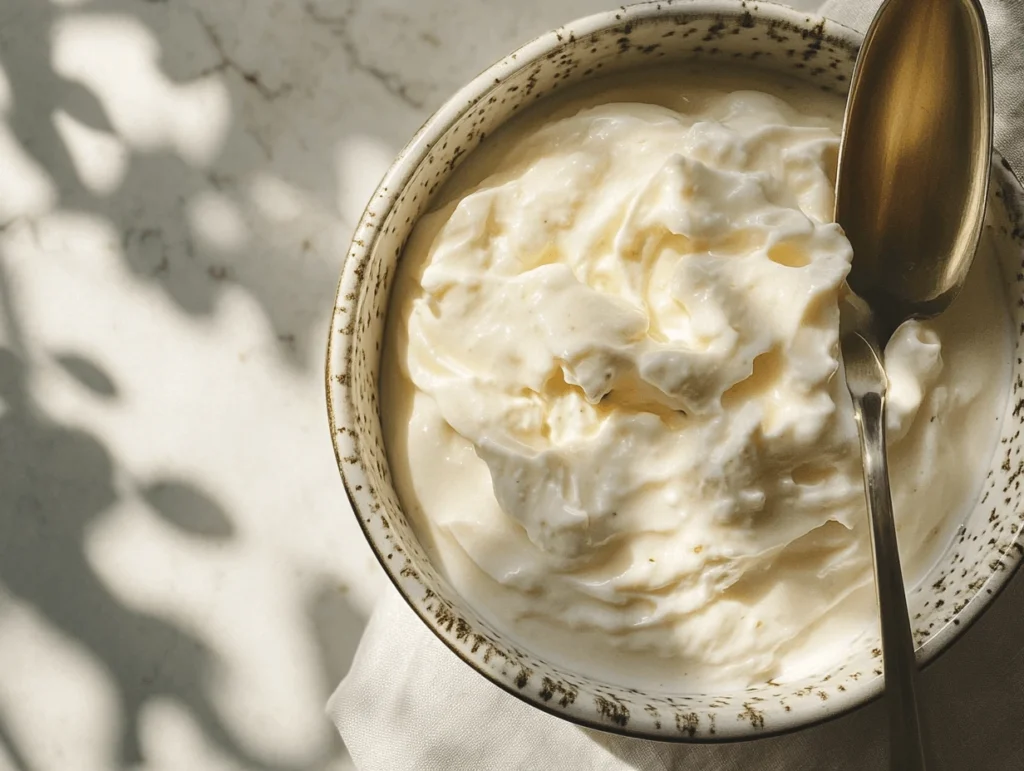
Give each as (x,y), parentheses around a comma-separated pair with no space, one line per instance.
(911,193)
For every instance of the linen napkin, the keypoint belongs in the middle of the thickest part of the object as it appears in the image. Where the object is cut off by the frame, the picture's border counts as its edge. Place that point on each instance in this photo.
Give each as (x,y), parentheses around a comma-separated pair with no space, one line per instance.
(408,704)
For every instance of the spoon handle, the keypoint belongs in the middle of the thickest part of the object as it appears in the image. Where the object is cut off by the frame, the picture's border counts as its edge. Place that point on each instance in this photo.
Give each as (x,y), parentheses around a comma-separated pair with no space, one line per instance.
(905,745)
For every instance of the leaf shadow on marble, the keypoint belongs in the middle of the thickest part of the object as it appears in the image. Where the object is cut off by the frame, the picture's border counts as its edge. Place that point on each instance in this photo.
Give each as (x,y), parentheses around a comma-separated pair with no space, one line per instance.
(55,483)
(290,275)
(188,508)
(337,626)
(87,374)
(57,480)
(9,746)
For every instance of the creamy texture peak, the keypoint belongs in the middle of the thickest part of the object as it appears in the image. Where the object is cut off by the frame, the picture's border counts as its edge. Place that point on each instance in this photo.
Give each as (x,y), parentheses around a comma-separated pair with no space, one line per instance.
(625,410)
(638,289)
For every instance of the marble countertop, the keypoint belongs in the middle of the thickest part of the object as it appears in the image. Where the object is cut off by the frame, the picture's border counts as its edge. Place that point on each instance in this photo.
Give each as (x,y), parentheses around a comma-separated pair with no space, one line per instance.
(182,583)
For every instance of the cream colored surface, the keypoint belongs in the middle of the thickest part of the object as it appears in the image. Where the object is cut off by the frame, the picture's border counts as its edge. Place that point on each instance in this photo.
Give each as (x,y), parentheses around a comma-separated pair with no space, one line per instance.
(613,395)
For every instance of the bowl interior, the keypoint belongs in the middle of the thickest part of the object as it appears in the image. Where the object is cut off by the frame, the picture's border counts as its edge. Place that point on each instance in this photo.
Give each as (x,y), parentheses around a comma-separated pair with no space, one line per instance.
(770,38)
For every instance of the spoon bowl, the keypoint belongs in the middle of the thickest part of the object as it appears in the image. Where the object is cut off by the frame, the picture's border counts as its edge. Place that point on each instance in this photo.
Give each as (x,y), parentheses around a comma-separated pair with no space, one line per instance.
(914,159)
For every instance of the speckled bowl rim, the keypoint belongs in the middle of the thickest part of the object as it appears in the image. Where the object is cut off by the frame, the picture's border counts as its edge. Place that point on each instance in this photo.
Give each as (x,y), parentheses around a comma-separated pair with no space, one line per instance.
(370,227)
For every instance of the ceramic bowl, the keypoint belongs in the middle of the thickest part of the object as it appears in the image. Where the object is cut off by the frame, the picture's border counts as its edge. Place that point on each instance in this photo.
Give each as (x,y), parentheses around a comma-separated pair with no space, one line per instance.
(985,551)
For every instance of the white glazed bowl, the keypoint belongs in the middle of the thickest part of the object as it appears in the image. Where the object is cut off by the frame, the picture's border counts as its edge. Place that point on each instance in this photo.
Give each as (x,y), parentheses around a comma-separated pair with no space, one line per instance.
(769,37)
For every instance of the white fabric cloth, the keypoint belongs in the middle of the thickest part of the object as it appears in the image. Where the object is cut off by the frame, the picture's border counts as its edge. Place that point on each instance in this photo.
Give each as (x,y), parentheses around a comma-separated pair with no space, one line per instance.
(408,704)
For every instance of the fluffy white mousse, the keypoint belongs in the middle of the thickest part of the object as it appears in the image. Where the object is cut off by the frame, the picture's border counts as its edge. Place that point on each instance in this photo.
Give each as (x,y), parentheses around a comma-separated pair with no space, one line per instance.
(614,402)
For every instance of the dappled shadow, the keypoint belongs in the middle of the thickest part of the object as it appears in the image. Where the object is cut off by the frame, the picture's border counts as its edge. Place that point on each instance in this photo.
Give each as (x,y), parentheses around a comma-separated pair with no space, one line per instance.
(87,374)
(55,481)
(154,204)
(337,626)
(188,508)
(191,218)
(9,748)
(148,205)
